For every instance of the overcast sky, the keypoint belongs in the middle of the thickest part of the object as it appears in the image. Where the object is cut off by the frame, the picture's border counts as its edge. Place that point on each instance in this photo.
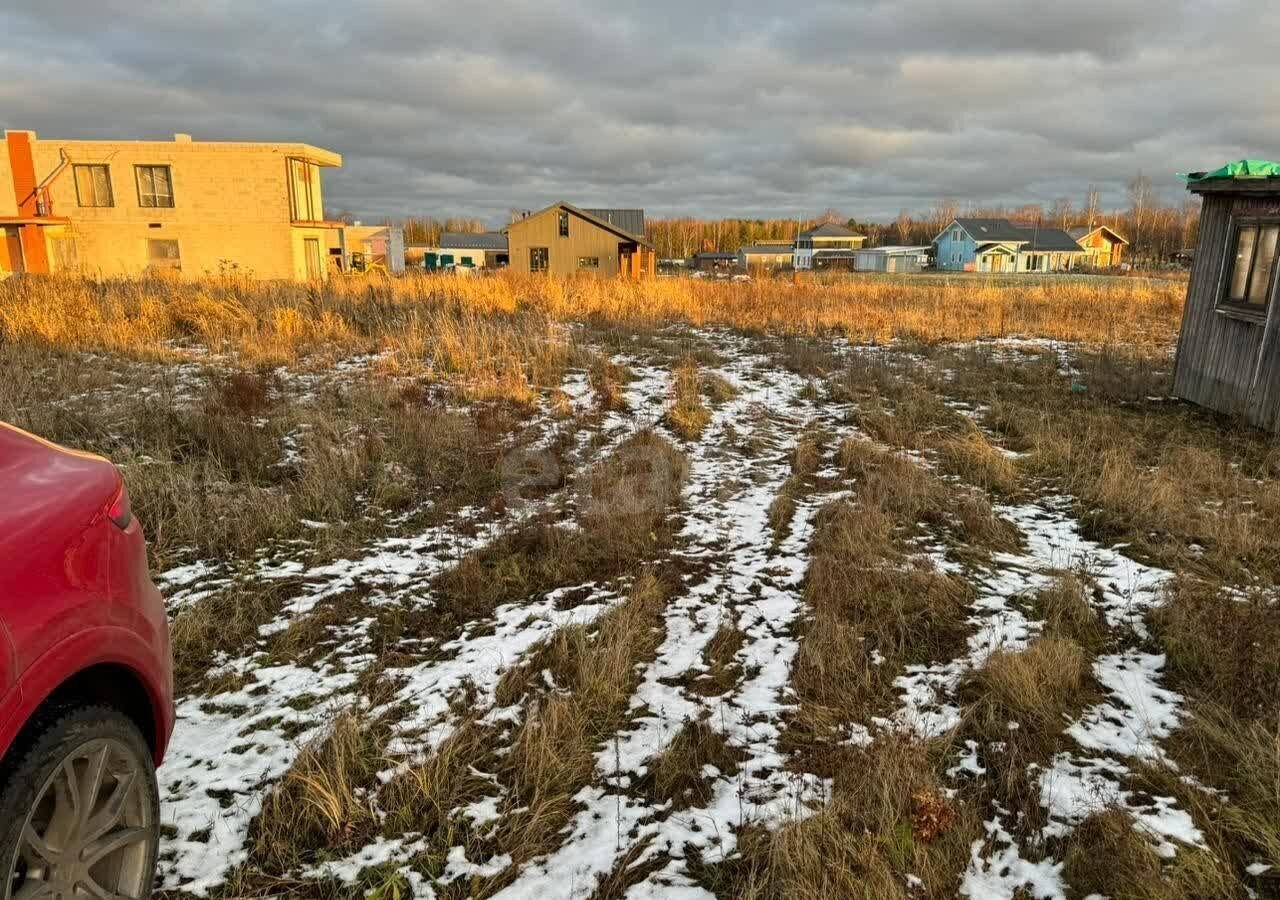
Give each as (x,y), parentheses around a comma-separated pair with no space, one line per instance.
(679,106)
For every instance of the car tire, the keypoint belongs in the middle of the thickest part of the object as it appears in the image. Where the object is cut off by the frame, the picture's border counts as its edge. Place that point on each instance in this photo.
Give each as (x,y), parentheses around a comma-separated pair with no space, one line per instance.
(69,753)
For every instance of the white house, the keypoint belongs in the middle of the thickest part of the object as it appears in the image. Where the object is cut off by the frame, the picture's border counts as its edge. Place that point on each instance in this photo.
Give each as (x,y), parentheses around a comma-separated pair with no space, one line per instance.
(896,258)
(827,246)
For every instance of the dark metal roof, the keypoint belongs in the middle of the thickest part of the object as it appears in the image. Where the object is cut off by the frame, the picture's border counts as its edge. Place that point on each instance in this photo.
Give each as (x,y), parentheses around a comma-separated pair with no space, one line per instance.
(629,220)
(993,230)
(830,229)
(709,254)
(636,216)
(462,240)
(1051,239)
(835,254)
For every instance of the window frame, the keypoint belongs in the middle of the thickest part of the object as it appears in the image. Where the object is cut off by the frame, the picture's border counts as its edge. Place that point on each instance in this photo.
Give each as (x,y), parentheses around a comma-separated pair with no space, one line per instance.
(546,259)
(588,262)
(297,169)
(138,169)
(562,223)
(111,192)
(174,262)
(1243,308)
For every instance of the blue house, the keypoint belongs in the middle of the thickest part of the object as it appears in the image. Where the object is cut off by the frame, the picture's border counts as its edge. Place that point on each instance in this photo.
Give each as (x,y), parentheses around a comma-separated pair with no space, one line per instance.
(998,245)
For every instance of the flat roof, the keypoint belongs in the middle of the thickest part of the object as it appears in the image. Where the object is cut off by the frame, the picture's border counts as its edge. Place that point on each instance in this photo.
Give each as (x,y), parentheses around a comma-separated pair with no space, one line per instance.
(184,142)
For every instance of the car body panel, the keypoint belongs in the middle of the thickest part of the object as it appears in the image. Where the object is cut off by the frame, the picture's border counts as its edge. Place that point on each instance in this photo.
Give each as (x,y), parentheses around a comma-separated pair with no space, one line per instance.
(74,586)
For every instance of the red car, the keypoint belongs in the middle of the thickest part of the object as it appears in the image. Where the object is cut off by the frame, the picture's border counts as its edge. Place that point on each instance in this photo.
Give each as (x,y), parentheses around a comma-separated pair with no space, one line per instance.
(86,680)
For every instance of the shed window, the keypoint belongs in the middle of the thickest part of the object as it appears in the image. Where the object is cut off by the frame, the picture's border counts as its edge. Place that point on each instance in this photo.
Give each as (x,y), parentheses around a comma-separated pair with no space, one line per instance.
(588,262)
(1253,266)
(564,224)
(538,259)
(93,185)
(155,186)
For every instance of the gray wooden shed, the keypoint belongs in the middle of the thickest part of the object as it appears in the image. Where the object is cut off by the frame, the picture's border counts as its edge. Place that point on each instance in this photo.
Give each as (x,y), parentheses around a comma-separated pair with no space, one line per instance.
(1229,347)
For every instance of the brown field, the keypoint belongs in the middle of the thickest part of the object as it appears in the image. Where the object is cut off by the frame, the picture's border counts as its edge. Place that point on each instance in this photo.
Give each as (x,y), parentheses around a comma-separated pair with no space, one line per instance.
(914,587)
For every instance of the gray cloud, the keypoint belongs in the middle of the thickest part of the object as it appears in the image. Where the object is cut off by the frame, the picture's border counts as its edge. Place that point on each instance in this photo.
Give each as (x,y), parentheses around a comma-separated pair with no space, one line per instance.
(747,108)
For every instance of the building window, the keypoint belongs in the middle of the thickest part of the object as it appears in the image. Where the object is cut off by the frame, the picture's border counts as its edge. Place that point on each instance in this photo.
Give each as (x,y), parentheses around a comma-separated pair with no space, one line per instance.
(564,223)
(1253,266)
(955,235)
(588,262)
(66,254)
(539,257)
(304,192)
(163,254)
(155,187)
(466,261)
(93,185)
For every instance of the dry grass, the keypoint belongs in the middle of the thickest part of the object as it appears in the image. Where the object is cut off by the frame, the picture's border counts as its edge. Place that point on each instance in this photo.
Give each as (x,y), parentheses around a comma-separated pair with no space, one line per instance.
(1110,855)
(1034,687)
(875,607)
(806,456)
(677,776)
(322,803)
(686,413)
(552,755)
(1065,610)
(607,380)
(888,817)
(622,511)
(498,333)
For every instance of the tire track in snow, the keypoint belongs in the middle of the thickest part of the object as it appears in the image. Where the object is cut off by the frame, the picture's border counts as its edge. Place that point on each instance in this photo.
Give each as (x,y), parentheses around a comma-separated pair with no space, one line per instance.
(731,535)
(229,749)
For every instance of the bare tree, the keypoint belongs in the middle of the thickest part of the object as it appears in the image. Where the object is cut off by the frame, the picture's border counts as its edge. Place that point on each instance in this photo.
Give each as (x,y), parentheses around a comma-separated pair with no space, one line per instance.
(1141,200)
(942,213)
(1092,205)
(902,227)
(1060,212)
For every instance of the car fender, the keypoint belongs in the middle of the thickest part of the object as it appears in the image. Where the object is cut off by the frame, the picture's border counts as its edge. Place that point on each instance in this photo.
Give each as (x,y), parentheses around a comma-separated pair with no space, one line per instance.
(102,645)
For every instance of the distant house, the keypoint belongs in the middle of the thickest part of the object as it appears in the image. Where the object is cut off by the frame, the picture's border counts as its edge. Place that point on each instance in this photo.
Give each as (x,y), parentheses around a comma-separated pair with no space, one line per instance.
(713,261)
(998,245)
(1103,246)
(564,239)
(366,245)
(766,255)
(478,250)
(1229,347)
(827,246)
(891,259)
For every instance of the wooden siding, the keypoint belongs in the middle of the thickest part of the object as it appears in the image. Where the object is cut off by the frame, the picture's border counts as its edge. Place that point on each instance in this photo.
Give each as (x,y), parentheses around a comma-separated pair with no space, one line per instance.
(585,239)
(1222,362)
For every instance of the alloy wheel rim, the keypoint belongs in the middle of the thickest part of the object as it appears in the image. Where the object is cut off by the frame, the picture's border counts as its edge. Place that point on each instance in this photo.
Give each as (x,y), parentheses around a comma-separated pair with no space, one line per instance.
(88,834)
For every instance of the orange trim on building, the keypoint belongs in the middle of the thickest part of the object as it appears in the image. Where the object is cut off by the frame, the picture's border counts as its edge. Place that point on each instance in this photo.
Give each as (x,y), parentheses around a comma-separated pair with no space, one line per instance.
(35,257)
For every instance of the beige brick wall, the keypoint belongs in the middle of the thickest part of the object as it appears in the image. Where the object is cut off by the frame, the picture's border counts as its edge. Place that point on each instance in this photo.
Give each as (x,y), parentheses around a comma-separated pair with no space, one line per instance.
(231,206)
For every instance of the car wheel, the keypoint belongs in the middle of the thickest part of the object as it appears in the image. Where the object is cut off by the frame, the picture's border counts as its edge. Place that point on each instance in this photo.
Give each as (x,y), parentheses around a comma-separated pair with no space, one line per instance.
(79,811)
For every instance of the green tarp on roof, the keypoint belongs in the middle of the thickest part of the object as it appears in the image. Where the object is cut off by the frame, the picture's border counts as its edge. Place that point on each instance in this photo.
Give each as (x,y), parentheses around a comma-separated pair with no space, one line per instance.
(1245,168)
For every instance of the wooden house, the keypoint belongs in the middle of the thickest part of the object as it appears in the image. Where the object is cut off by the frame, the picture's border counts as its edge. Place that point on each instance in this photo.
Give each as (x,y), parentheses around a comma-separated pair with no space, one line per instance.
(565,240)
(1103,247)
(1229,347)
